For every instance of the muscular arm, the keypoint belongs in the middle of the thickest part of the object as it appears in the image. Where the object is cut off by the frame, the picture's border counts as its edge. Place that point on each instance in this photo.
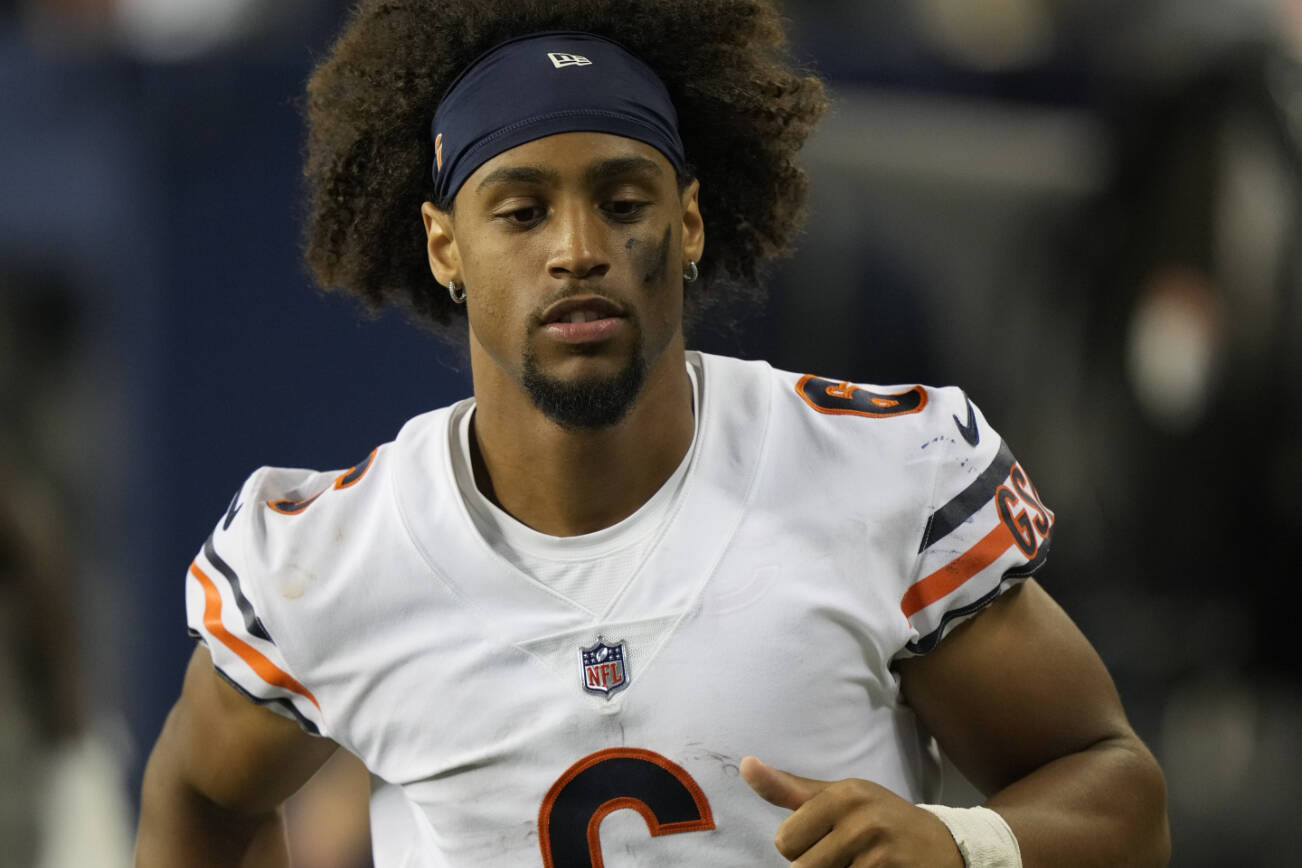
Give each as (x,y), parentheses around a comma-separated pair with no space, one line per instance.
(217,776)
(1022,704)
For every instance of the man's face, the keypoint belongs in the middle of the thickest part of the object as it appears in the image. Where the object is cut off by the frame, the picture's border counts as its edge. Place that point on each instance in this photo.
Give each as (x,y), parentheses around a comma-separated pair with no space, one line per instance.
(571,248)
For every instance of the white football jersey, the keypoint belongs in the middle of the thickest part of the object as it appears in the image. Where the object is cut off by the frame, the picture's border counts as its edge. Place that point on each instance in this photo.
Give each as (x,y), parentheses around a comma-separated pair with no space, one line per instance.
(823,531)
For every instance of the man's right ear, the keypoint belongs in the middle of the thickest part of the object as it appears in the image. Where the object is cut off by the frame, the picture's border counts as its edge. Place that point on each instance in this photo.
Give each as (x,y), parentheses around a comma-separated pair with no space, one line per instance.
(441,244)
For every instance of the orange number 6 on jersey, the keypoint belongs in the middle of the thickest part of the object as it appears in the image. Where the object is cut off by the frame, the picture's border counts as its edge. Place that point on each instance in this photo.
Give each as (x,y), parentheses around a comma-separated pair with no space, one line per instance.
(569,822)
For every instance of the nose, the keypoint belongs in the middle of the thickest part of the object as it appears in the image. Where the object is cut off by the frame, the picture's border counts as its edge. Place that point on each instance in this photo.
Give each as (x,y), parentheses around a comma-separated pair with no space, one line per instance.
(579,250)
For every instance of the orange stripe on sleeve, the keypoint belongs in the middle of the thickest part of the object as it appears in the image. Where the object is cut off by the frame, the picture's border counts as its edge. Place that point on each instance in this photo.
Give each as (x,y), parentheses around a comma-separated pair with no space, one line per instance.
(265,669)
(926,591)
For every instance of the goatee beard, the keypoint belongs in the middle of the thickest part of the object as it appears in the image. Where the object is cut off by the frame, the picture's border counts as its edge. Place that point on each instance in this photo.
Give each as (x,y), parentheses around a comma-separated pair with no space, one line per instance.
(588,404)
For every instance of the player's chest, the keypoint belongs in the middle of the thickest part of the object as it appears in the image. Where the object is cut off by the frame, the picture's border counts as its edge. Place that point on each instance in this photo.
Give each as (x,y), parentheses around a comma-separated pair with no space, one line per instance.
(740,651)
(492,714)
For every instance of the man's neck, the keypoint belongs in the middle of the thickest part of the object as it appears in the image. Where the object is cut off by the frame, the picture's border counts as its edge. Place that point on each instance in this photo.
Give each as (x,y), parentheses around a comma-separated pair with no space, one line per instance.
(567,482)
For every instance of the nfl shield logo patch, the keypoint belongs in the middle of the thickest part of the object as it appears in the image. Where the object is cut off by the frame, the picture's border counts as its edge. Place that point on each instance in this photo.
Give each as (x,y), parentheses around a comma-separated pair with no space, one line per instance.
(605,667)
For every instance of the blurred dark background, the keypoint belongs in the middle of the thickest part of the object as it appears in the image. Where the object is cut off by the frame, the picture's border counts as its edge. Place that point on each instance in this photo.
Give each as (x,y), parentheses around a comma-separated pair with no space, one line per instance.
(1085,213)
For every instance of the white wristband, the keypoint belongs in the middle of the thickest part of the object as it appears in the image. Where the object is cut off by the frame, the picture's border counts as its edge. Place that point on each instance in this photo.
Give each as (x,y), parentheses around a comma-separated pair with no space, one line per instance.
(983,837)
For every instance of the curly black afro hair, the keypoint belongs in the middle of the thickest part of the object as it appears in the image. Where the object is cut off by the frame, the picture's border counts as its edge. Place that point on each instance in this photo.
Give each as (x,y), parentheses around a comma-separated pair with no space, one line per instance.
(744,111)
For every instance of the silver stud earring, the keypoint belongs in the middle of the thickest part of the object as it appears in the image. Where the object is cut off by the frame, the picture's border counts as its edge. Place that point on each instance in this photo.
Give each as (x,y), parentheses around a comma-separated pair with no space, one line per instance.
(458,295)
(692,272)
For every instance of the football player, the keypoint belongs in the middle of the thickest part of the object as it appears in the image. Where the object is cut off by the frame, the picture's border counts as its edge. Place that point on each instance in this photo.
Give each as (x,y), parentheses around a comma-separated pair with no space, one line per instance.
(627,604)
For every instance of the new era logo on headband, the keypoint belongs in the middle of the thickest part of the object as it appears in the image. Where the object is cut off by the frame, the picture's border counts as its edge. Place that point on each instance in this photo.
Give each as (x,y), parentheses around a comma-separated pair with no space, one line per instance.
(561,60)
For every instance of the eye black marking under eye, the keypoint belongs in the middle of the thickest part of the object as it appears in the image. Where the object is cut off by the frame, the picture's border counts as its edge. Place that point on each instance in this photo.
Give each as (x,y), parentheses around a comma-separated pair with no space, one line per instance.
(657,263)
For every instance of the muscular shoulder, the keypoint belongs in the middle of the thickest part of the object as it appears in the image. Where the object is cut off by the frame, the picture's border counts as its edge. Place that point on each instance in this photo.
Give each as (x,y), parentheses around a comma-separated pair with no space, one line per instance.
(925,476)
(282,507)
(286,516)
(287,569)
(887,431)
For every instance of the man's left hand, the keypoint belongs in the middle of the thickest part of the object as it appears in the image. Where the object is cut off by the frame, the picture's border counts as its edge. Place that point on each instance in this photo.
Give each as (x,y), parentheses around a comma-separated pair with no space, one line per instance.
(850,822)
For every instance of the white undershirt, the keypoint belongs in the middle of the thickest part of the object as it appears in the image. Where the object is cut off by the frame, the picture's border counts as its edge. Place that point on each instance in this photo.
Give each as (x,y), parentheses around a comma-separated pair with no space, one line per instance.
(590,569)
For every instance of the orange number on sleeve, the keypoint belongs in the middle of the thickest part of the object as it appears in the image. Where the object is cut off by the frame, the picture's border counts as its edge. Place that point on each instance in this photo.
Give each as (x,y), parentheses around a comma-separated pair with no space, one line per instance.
(347,479)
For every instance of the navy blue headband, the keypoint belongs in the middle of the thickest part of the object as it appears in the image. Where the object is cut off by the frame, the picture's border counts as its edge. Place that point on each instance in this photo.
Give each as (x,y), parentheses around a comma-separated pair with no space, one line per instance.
(542,84)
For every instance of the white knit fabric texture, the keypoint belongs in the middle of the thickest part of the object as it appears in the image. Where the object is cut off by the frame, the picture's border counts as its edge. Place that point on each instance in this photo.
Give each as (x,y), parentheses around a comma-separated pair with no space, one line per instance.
(983,837)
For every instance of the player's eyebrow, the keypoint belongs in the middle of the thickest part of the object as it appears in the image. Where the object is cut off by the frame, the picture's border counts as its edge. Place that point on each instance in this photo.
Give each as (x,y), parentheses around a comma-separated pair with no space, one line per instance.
(593,175)
(617,167)
(520,175)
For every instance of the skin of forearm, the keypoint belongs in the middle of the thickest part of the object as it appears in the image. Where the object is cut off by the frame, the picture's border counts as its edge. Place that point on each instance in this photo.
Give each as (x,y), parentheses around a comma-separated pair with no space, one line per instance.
(180,826)
(1104,806)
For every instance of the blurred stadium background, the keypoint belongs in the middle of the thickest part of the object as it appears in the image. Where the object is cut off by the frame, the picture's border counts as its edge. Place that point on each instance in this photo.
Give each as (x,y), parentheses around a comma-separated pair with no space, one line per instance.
(1085,212)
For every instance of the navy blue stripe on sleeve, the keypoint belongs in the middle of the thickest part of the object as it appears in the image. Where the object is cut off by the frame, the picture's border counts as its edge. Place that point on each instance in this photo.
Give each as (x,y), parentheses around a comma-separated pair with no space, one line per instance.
(252,622)
(968,501)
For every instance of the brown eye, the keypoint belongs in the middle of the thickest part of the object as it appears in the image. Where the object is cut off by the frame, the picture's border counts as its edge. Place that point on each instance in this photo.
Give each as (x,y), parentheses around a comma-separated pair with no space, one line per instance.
(625,209)
(524,215)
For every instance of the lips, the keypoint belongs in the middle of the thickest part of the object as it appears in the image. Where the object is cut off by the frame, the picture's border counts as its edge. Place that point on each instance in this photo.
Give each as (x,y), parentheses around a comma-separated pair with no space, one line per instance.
(581,309)
(583,319)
